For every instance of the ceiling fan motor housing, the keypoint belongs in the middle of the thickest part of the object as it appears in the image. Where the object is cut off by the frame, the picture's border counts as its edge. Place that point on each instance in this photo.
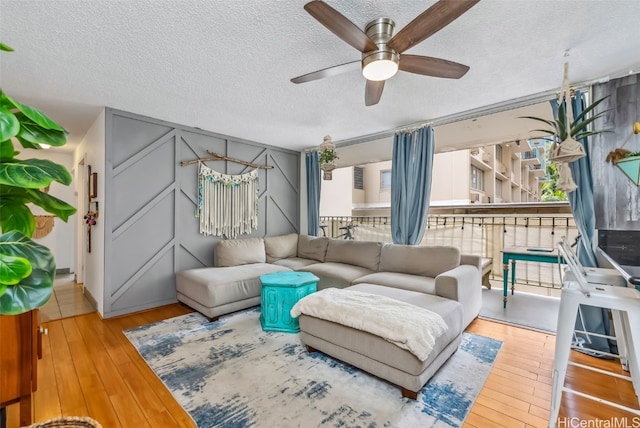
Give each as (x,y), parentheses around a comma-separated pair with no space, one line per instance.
(380,32)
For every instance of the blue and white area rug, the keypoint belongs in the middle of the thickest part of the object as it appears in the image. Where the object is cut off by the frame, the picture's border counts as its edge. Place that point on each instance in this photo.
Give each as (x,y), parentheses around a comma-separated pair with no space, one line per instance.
(230,373)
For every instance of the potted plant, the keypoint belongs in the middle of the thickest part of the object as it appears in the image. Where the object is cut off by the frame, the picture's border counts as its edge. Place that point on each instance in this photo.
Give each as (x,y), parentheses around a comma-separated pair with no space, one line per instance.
(566,134)
(327,156)
(576,130)
(27,269)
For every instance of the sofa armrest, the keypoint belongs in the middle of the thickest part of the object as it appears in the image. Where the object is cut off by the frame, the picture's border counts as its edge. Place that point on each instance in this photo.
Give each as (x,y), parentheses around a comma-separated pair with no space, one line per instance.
(463,284)
(468,259)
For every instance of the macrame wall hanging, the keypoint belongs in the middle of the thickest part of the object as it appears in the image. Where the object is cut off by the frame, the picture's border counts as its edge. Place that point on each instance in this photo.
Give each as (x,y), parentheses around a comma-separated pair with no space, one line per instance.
(227,204)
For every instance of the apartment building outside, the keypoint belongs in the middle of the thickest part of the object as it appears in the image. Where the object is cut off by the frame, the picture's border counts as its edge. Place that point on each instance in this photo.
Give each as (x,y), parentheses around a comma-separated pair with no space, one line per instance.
(509,172)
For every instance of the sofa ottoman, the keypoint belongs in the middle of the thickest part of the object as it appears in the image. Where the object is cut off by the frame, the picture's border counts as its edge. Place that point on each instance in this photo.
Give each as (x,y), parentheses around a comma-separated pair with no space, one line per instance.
(380,357)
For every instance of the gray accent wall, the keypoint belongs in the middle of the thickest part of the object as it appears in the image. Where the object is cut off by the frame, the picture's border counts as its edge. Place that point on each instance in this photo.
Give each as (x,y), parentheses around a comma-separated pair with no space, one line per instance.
(616,198)
(151,230)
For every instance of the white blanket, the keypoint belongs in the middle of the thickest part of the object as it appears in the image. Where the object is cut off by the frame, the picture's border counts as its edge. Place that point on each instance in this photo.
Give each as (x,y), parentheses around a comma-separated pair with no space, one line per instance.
(407,326)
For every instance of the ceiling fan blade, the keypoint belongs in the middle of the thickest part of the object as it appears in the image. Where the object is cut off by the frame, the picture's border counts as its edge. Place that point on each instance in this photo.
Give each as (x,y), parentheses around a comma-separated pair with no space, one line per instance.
(429,66)
(429,22)
(327,72)
(373,92)
(340,26)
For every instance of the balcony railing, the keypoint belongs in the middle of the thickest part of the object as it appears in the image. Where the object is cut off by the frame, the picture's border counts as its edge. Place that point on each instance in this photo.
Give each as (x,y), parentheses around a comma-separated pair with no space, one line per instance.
(477,234)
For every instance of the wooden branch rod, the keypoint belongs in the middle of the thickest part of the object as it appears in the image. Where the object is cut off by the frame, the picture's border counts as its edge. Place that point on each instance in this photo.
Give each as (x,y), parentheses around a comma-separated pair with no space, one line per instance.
(217,157)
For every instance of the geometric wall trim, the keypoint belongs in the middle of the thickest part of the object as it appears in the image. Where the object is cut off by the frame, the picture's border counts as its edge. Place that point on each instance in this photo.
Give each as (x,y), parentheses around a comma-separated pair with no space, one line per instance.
(151,230)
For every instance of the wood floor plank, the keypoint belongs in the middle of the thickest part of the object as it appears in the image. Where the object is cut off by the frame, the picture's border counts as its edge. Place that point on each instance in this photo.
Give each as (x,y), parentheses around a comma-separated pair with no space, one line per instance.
(47,386)
(514,391)
(506,400)
(124,404)
(500,418)
(117,325)
(522,416)
(474,420)
(72,400)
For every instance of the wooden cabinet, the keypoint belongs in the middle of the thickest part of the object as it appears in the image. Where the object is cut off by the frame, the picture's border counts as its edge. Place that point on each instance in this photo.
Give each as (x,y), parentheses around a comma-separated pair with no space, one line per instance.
(20,346)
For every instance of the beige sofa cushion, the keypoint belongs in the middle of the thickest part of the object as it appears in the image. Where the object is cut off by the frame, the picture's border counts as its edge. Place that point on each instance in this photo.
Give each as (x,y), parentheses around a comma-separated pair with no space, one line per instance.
(310,247)
(338,275)
(422,260)
(358,253)
(405,281)
(295,263)
(281,247)
(236,252)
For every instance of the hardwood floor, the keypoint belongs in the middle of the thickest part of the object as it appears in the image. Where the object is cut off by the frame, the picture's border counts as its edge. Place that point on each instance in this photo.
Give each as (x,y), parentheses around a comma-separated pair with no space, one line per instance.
(89,368)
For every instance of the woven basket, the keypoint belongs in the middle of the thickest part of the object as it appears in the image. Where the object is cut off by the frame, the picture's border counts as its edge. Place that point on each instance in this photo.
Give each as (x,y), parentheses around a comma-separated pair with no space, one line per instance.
(68,422)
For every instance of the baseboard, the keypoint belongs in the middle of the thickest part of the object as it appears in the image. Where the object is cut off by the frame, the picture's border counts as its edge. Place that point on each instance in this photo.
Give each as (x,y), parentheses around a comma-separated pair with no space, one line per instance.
(90,298)
(63,271)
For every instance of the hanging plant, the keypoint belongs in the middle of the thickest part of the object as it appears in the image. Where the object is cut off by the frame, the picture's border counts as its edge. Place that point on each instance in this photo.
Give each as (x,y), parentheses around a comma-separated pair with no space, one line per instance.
(328,156)
(567,131)
(577,129)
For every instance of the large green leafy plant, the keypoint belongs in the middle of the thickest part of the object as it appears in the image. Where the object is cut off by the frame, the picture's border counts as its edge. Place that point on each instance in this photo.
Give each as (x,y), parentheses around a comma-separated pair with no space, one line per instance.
(27,269)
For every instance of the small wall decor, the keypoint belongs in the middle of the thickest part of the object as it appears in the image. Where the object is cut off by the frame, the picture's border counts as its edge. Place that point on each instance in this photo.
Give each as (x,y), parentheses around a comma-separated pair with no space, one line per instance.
(91,219)
(626,160)
(93,185)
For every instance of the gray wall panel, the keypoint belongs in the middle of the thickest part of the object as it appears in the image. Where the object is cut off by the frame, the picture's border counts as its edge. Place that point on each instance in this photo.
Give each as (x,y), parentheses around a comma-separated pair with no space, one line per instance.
(136,190)
(150,204)
(190,238)
(134,247)
(186,260)
(132,135)
(155,287)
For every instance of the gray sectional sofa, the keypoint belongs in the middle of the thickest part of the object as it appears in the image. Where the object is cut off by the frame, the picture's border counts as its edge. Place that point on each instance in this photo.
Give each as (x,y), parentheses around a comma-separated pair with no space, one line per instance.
(234,281)
(436,278)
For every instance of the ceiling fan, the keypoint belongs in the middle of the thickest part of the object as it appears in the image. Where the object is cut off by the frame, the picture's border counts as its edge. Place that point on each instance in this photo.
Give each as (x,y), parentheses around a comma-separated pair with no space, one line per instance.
(382,51)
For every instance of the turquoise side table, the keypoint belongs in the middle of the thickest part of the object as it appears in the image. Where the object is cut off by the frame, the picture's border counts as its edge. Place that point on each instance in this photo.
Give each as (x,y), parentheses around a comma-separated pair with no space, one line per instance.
(280,291)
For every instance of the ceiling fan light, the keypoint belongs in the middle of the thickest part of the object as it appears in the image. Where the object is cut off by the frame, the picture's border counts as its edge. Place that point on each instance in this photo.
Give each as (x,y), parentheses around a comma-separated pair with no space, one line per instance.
(381,65)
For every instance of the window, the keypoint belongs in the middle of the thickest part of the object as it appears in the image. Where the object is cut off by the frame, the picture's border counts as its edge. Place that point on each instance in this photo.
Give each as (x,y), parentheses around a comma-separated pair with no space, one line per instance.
(385,179)
(499,153)
(498,188)
(477,179)
(358,178)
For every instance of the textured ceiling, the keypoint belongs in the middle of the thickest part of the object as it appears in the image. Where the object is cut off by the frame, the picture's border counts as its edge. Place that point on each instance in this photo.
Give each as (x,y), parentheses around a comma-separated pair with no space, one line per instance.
(225,66)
